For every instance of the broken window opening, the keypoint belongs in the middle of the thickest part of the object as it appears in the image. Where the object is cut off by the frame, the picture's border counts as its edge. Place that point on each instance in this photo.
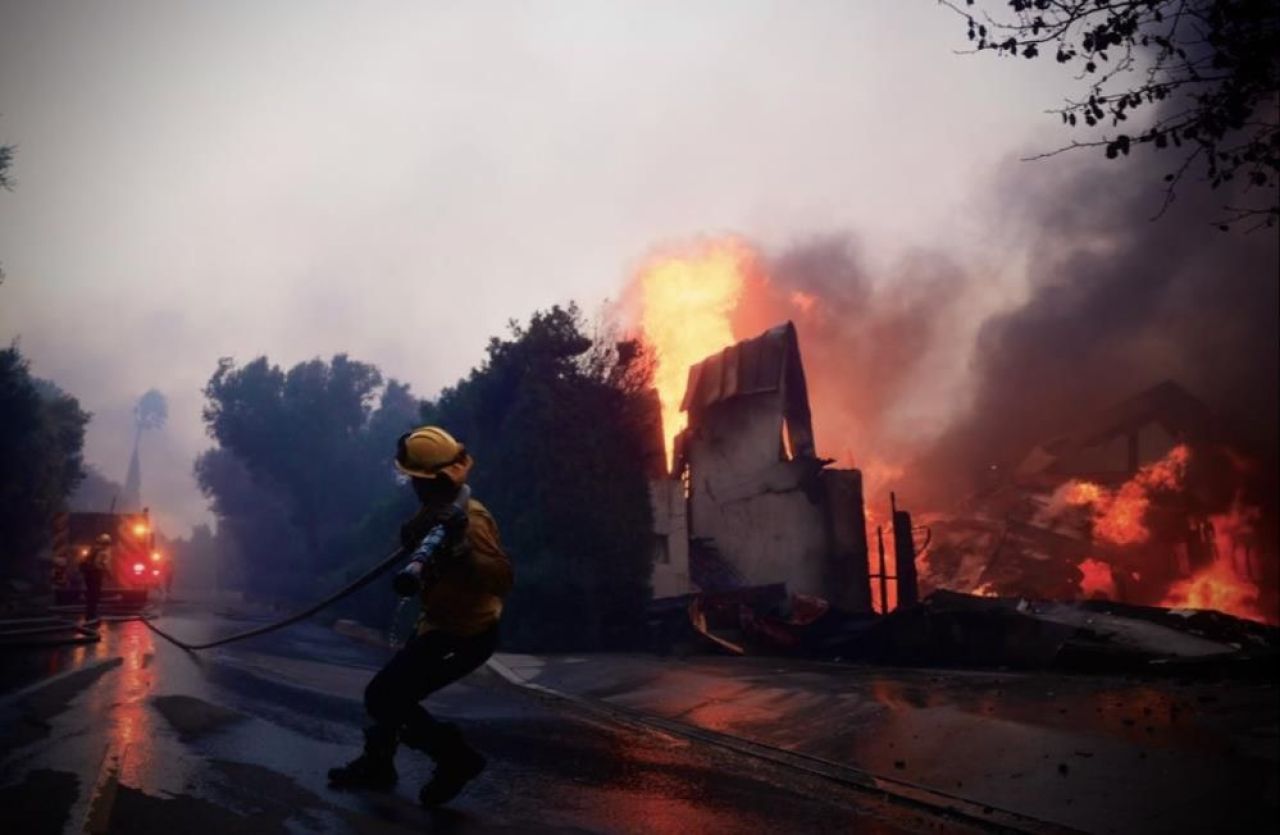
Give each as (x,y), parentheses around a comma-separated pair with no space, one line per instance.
(787,453)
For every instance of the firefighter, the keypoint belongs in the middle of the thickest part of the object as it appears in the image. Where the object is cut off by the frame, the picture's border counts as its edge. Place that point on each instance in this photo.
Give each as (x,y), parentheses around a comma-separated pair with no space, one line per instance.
(92,567)
(463,586)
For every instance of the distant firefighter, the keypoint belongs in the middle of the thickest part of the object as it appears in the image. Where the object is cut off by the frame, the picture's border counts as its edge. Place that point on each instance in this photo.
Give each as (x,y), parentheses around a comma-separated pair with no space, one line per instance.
(462,574)
(93,566)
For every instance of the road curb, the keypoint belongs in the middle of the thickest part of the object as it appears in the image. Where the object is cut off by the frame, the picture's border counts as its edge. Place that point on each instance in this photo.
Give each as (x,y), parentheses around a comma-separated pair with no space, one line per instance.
(893,790)
(10,699)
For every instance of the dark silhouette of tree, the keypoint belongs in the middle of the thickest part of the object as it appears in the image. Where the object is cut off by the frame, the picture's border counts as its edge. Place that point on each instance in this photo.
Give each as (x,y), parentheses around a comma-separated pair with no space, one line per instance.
(260,548)
(41,439)
(200,559)
(1198,78)
(559,426)
(149,413)
(564,428)
(302,457)
(6,163)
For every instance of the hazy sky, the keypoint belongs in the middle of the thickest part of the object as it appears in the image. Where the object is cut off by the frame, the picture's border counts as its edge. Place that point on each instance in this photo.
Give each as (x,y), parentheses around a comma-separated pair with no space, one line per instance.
(397,180)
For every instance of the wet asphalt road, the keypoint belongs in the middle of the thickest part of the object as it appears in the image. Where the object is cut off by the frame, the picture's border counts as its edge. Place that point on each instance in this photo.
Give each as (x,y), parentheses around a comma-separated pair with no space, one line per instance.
(132,735)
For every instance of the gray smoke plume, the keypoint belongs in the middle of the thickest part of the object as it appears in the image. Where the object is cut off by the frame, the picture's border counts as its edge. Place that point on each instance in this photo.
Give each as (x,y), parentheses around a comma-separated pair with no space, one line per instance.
(1118,303)
(867,341)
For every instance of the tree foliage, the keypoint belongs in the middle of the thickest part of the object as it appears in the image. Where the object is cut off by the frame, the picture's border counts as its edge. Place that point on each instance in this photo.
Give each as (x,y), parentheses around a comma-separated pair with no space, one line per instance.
(6,163)
(560,425)
(41,439)
(151,411)
(1195,77)
(563,426)
(301,456)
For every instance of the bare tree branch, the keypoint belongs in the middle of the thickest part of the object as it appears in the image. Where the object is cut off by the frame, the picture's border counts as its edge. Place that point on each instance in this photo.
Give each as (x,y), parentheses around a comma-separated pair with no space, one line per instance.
(1209,75)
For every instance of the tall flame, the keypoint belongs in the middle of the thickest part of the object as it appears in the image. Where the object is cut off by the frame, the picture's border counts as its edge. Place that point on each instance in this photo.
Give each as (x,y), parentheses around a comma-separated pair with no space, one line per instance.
(686,300)
(1224,584)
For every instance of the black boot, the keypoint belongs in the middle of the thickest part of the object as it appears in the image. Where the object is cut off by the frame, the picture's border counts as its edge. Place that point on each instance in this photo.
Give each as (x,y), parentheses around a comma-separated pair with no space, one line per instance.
(373,769)
(457,763)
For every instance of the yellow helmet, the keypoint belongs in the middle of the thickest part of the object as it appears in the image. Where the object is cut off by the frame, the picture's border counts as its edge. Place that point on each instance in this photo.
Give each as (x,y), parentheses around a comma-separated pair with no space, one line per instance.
(429,451)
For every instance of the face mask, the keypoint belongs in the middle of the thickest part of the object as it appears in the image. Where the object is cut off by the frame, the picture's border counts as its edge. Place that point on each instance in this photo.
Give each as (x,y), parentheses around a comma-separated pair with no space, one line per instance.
(434,491)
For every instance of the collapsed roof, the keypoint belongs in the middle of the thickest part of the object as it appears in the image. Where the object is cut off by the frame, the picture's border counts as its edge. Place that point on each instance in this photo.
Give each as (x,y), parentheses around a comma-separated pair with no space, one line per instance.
(1178,414)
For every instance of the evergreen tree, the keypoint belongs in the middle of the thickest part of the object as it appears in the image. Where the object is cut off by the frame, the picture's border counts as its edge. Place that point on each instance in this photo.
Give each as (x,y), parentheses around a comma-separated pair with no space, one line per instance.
(557,424)
(41,439)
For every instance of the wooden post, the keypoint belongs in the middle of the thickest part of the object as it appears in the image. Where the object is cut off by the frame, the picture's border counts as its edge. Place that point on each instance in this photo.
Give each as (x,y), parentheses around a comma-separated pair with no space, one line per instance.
(884,581)
(904,553)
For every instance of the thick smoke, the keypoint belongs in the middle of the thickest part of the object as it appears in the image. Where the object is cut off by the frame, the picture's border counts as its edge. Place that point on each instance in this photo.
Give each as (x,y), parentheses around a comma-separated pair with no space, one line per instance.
(1117,303)
(870,345)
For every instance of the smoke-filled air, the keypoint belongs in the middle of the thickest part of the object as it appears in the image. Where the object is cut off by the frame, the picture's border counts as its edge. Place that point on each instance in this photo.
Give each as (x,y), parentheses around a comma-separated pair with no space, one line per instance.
(406,406)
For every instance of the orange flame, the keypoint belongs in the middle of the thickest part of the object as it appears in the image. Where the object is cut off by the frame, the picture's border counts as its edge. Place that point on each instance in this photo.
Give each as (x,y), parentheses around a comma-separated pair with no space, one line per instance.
(1097,580)
(1223,585)
(1081,493)
(1216,587)
(686,299)
(1119,515)
(1119,520)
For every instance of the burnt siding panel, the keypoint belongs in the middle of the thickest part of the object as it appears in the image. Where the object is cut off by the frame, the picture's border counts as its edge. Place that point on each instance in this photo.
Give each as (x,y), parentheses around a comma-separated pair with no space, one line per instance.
(712,381)
(770,368)
(731,360)
(749,366)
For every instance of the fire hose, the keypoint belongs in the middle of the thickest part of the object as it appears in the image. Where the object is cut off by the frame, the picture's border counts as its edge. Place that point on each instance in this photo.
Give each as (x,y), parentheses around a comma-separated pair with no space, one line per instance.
(407,582)
(351,588)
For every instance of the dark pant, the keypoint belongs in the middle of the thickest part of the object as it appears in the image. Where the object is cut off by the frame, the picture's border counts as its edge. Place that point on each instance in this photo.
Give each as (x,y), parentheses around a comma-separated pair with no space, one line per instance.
(425,664)
(92,591)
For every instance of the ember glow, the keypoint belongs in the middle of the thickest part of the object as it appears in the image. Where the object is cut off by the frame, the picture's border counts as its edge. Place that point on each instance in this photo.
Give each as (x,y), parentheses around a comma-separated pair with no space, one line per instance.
(685,300)
(1224,584)
(1218,587)
(1118,520)
(1097,580)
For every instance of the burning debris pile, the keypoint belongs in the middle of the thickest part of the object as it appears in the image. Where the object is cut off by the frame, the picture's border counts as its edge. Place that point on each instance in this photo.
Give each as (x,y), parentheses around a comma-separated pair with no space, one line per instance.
(1145,507)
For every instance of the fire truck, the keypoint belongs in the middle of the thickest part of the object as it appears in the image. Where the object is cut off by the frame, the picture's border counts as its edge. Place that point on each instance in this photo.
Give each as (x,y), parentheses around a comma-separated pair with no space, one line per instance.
(137,566)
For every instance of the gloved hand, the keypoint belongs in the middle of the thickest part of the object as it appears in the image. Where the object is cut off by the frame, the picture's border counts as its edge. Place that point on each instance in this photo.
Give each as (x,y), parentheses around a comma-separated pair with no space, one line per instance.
(454,519)
(451,554)
(441,550)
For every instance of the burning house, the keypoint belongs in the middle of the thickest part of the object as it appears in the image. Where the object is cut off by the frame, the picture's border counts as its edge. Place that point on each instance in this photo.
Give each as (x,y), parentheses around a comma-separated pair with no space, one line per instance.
(1152,504)
(748,502)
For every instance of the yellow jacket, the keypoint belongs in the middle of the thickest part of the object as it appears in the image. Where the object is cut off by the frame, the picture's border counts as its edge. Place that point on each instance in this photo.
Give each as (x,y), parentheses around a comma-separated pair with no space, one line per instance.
(467,599)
